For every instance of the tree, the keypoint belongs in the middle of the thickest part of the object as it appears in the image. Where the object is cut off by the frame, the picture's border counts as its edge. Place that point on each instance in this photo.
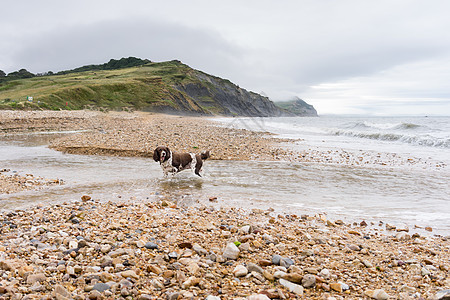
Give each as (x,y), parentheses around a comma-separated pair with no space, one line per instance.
(22,73)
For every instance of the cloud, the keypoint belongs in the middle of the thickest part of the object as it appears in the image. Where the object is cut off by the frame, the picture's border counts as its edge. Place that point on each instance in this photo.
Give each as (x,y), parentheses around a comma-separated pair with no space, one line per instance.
(75,46)
(338,55)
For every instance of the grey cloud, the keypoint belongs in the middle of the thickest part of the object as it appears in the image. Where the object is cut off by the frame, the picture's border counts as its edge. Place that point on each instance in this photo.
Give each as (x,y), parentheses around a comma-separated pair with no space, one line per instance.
(96,43)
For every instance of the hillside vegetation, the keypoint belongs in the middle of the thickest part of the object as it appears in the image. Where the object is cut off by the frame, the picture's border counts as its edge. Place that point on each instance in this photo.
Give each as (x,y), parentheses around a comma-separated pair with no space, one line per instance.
(298,107)
(136,87)
(171,87)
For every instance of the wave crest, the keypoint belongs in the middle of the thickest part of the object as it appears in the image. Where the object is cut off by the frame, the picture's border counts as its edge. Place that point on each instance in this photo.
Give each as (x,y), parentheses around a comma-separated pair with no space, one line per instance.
(386,126)
(426,140)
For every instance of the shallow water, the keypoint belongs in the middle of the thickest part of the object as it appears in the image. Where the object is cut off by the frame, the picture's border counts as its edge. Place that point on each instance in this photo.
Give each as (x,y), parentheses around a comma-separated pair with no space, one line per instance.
(393,195)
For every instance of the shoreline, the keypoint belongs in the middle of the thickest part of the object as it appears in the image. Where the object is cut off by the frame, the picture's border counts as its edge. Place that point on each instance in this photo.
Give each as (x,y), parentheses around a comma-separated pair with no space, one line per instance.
(103,249)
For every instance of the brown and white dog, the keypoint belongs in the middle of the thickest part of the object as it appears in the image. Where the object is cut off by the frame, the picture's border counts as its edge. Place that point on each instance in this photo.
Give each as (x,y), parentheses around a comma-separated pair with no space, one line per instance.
(173,162)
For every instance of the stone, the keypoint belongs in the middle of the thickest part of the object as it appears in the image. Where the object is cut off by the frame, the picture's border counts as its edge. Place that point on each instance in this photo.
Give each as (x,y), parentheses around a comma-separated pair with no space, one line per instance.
(268,276)
(354,247)
(240,271)
(307,253)
(150,245)
(309,281)
(292,287)
(191,281)
(33,278)
(311,271)
(129,274)
(245,229)
(85,198)
(157,284)
(154,269)
(101,287)
(199,250)
(293,277)
(258,276)
(106,248)
(366,263)
(185,245)
(193,268)
(378,294)
(276,259)
(402,236)
(95,295)
(254,268)
(258,297)
(336,287)
(286,262)
(279,274)
(211,297)
(231,251)
(125,283)
(60,291)
(325,273)
(407,289)
(442,295)
(264,262)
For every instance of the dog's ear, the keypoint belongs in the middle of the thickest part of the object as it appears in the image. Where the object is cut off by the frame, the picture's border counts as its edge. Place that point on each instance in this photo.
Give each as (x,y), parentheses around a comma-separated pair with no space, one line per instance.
(156,155)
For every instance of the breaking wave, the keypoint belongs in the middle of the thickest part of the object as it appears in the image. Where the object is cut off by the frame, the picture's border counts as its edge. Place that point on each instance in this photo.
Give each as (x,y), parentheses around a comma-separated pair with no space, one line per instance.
(421,140)
(387,126)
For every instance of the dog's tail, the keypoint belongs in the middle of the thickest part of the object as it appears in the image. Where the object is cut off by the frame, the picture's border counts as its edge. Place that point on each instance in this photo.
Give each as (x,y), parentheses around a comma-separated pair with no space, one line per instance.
(205,155)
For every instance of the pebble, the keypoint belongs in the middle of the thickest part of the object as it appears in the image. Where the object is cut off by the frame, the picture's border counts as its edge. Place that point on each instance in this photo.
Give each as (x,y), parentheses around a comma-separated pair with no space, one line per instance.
(150,245)
(336,287)
(286,262)
(258,297)
(33,278)
(101,287)
(240,271)
(292,277)
(130,271)
(294,288)
(378,294)
(254,268)
(276,259)
(309,281)
(231,251)
(442,295)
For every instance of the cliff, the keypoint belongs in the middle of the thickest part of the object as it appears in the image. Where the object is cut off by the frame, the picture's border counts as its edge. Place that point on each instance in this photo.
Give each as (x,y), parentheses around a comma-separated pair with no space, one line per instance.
(298,107)
(170,87)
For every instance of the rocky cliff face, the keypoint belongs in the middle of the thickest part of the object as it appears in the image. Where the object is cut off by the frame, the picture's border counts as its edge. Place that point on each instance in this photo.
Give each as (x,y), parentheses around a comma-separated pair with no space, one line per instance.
(220,96)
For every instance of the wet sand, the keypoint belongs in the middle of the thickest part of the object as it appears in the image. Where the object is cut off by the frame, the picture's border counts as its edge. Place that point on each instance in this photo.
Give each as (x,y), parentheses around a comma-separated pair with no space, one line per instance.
(94,249)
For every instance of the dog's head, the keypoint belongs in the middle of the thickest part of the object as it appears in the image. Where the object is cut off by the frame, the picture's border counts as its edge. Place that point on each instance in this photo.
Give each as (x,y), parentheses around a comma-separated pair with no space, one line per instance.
(161,154)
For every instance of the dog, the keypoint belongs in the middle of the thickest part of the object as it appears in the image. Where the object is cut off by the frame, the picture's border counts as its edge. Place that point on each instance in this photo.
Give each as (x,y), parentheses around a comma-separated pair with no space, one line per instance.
(174,162)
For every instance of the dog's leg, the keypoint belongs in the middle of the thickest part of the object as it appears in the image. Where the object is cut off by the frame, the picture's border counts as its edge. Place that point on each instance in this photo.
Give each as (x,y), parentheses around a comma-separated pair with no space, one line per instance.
(198,166)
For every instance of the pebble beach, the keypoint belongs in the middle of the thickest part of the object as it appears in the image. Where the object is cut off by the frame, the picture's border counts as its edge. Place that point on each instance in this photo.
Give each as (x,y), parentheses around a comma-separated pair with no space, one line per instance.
(103,249)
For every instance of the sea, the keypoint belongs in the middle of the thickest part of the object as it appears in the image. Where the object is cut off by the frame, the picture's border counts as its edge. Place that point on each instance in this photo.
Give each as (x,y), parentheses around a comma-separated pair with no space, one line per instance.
(381,170)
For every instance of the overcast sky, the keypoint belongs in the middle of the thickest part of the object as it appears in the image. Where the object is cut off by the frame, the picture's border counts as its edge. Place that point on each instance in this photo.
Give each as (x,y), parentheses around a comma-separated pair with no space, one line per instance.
(352,57)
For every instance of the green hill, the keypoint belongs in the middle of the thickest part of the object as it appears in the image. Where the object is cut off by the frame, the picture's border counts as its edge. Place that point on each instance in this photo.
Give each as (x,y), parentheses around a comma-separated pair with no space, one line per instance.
(171,87)
(139,87)
(298,107)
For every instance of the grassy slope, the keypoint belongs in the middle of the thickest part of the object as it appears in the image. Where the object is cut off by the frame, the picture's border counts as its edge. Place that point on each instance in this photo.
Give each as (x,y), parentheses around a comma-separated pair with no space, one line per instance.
(141,87)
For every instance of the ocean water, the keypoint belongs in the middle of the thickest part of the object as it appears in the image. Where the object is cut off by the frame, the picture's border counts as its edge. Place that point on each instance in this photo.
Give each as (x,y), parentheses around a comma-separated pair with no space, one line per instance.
(387,185)
(424,137)
(397,193)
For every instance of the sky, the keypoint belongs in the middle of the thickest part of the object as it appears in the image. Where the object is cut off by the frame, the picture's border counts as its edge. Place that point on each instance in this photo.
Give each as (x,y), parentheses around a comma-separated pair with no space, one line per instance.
(379,57)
